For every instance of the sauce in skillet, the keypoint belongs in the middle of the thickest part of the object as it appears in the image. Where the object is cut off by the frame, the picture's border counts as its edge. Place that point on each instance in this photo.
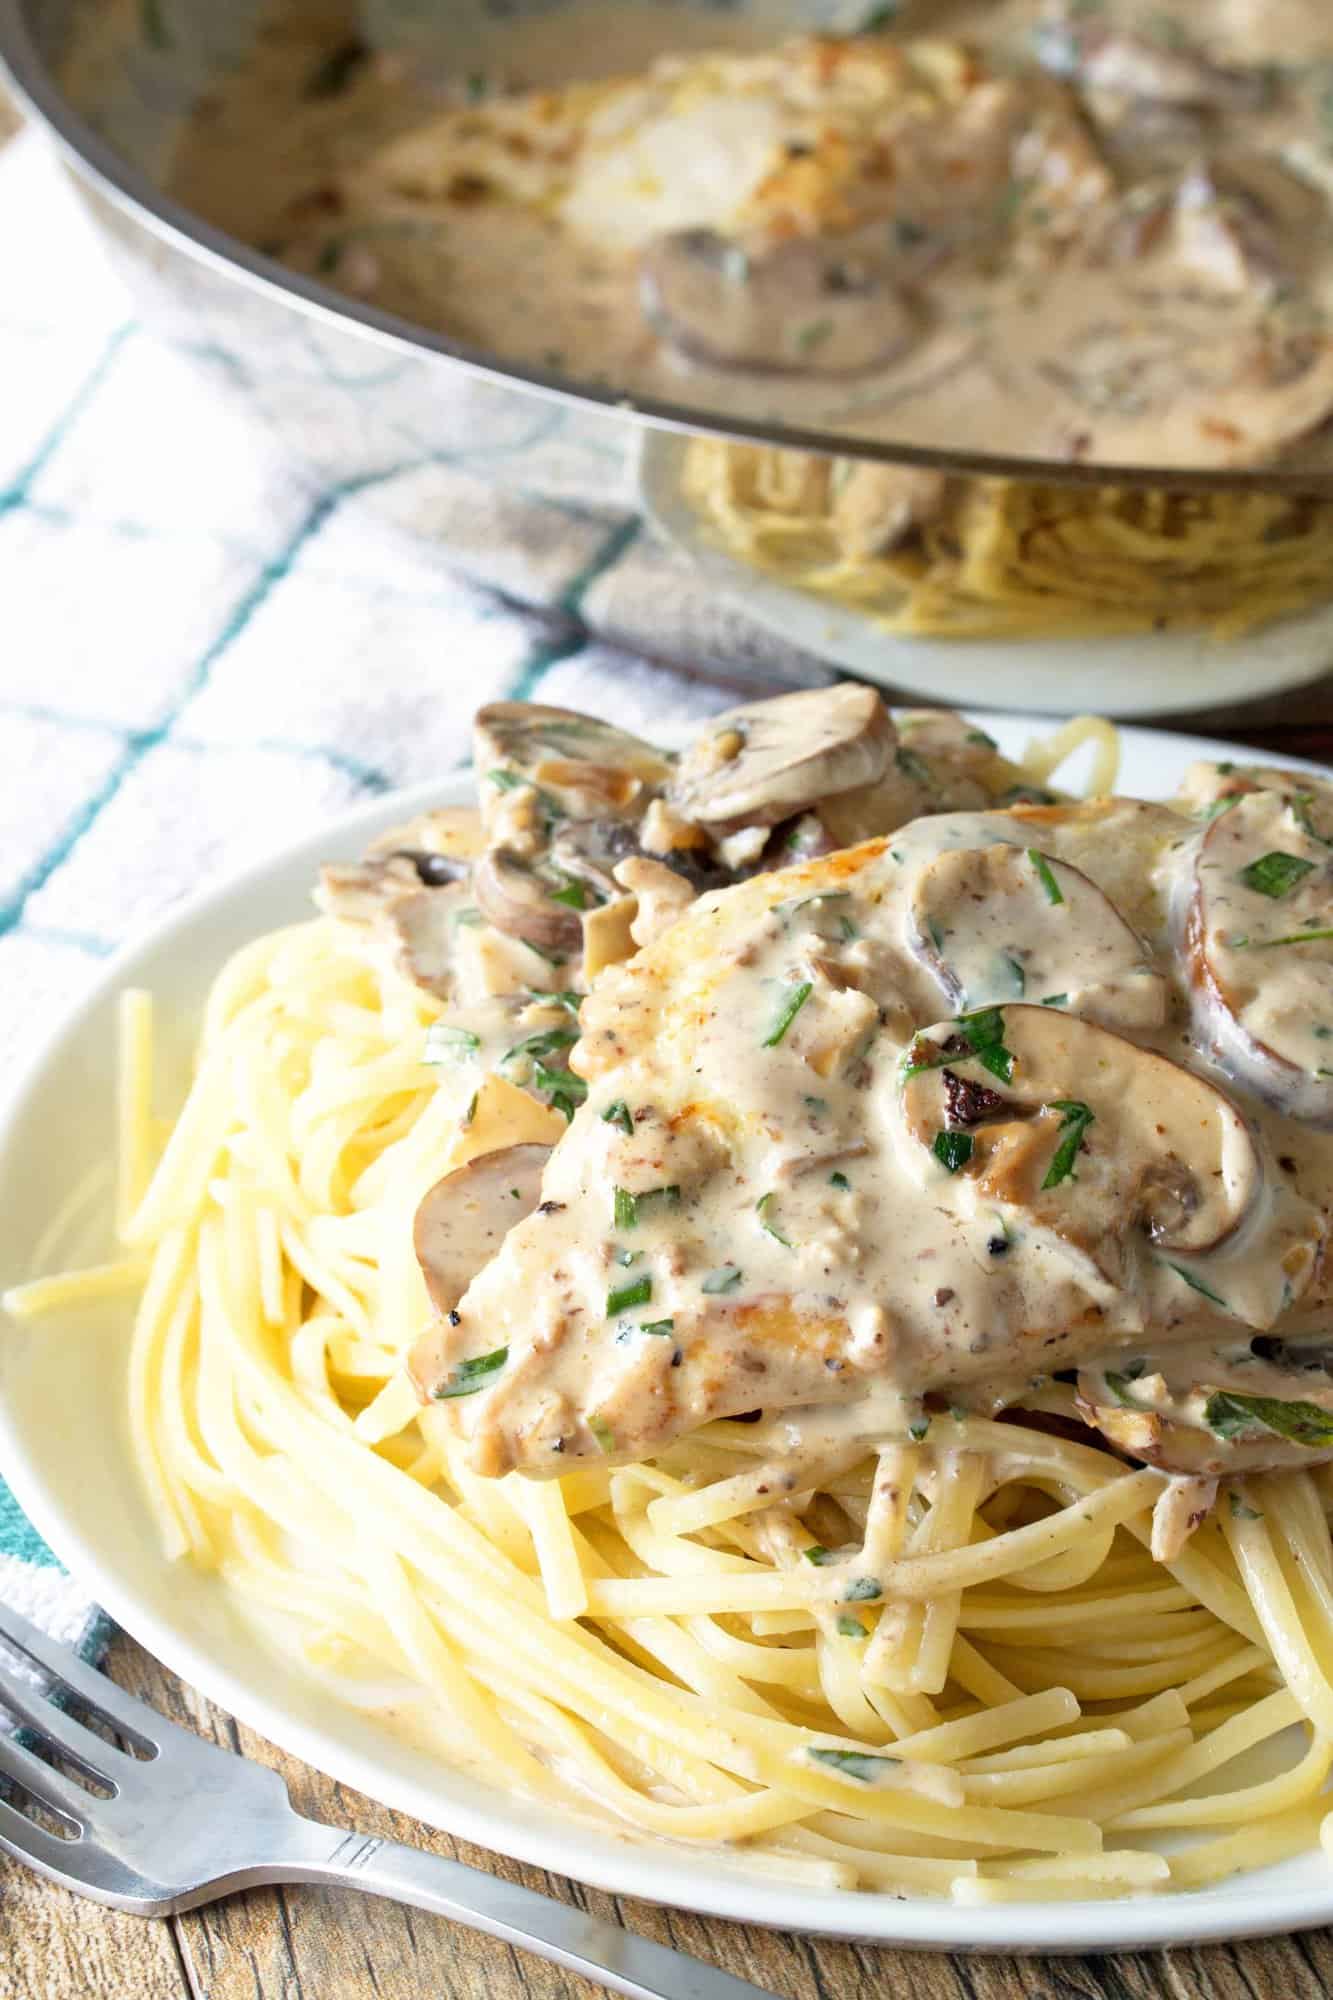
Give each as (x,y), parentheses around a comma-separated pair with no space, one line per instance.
(1091,231)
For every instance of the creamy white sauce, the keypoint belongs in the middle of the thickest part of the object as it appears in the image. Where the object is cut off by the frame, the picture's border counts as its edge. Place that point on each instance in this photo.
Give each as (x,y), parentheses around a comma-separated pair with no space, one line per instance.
(1153,280)
(783,1237)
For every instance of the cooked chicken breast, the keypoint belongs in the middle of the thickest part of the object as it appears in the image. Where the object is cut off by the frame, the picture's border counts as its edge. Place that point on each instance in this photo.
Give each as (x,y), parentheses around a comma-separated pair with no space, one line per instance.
(922,1119)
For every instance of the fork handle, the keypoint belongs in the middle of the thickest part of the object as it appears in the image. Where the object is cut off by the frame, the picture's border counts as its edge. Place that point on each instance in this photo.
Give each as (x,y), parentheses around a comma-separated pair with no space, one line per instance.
(600,1951)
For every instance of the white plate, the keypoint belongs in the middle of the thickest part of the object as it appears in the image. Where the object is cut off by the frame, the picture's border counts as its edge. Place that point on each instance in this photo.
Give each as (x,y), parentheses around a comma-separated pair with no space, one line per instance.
(64,1448)
(1140,673)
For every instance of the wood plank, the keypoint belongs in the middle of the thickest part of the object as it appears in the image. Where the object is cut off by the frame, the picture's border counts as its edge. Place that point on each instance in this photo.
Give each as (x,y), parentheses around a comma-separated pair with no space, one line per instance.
(54,1946)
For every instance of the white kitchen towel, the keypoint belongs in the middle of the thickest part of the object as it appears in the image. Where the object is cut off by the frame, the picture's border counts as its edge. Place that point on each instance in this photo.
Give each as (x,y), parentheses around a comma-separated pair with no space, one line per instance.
(202,653)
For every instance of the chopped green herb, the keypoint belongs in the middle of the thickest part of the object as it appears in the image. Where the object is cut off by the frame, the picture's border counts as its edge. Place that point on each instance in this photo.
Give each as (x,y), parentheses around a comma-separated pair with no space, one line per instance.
(619,1114)
(913,766)
(863,1590)
(1216,807)
(505,781)
(550,997)
(1056,1000)
(659,1326)
(1239,1510)
(769,1229)
(446,1043)
(918,1429)
(980,736)
(572,894)
(953,1150)
(880,17)
(622,1297)
(1311,936)
(790,1008)
(724,1279)
(984,1034)
(816,1106)
(819,1555)
(476,86)
(1196,1284)
(813,335)
(839,1181)
(1017,975)
(469,1376)
(627,1206)
(471,1111)
(1300,804)
(564,1091)
(1045,875)
(1275,874)
(153,23)
(1224,770)
(1119,1385)
(625,1210)
(330,254)
(1227,1415)
(1074,1122)
(469,918)
(602,1431)
(854,1763)
(546,1042)
(850,1628)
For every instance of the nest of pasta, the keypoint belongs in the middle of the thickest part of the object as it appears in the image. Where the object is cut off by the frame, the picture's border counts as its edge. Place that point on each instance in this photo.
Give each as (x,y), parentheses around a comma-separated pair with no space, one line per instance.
(937,557)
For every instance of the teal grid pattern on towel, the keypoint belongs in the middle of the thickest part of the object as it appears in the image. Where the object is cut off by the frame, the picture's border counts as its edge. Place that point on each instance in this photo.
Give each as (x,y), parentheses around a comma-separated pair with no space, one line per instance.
(201,654)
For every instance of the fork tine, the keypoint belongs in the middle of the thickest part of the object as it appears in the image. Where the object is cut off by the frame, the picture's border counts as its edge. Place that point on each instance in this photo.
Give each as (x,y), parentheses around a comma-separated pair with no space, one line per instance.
(29,1706)
(49,1787)
(27,1841)
(123,1711)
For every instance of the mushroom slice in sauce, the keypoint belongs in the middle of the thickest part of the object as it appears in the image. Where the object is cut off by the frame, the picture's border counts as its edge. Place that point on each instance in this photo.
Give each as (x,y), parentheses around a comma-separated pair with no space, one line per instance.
(1139,66)
(462,1221)
(588,767)
(1258,940)
(1007,923)
(805,307)
(412,899)
(513,896)
(756,765)
(1106,1145)
(1211,1415)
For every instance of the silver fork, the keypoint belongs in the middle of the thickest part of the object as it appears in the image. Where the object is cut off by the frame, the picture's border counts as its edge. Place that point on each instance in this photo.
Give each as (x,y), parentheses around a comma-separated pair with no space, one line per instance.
(175,1822)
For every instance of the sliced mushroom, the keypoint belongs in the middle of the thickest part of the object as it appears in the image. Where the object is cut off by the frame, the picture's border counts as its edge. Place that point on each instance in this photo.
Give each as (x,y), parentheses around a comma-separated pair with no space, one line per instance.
(940,763)
(588,766)
(1123,64)
(1210,1415)
(587,850)
(808,306)
(462,1221)
(1101,1142)
(1258,941)
(418,924)
(1207,784)
(1007,923)
(757,765)
(512,895)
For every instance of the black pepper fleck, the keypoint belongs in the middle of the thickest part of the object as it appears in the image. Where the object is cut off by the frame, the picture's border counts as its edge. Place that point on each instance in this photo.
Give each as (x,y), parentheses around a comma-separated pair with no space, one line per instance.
(998,1245)
(455,1318)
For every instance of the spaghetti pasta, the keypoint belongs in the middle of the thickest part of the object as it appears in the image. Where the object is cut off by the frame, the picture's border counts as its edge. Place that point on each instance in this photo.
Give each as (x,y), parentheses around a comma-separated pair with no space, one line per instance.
(1024,1690)
(998,558)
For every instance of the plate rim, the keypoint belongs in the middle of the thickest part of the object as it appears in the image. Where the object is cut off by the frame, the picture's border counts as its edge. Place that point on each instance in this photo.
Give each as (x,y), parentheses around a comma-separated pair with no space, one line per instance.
(940,669)
(651,1869)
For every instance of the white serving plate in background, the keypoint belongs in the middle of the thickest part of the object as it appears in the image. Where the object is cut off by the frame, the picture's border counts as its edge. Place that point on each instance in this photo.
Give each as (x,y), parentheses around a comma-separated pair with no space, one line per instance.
(1136,673)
